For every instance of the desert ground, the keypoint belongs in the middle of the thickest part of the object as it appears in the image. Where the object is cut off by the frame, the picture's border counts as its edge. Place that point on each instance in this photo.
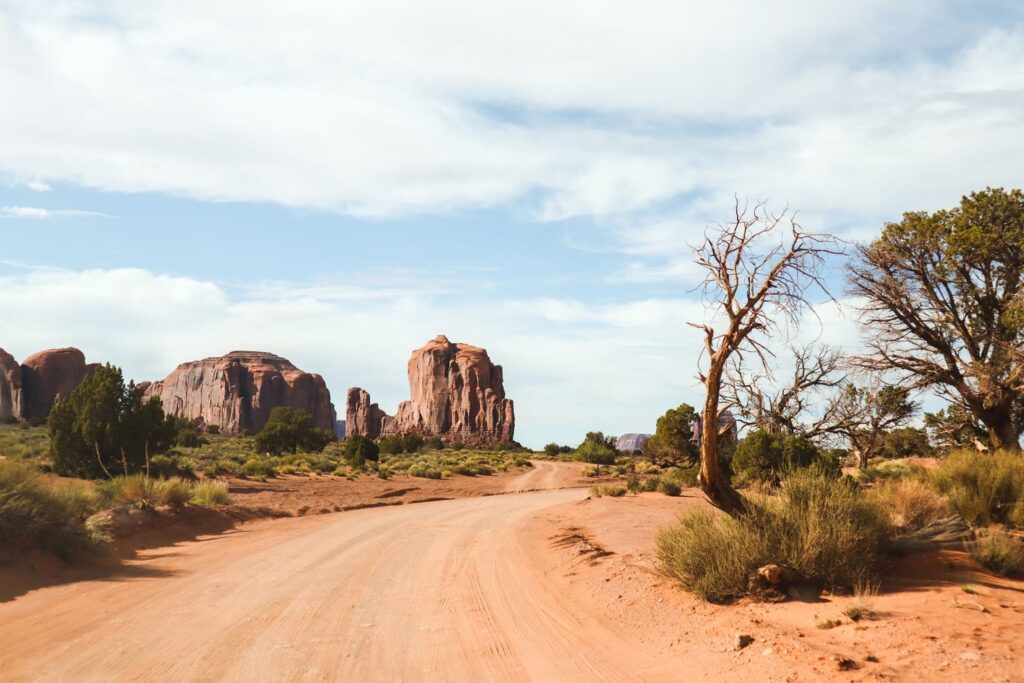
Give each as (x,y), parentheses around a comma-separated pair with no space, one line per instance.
(543,583)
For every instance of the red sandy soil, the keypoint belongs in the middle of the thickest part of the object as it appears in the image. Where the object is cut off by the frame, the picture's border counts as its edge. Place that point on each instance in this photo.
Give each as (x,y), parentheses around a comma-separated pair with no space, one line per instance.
(927,628)
(545,586)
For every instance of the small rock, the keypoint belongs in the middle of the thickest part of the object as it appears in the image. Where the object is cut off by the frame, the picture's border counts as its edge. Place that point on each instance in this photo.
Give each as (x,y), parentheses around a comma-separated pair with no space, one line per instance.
(971,656)
(767,652)
(743,640)
(871,658)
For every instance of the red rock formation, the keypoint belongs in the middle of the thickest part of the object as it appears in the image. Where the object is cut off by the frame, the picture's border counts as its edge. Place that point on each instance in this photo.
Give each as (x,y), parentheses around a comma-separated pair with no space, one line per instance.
(238,391)
(457,394)
(361,416)
(10,388)
(49,376)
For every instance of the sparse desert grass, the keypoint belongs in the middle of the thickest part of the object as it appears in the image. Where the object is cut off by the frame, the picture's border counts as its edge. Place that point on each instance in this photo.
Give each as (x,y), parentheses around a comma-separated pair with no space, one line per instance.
(985,488)
(260,468)
(862,605)
(23,442)
(970,589)
(611,490)
(1000,552)
(140,490)
(669,488)
(912,504)
(823,527)
(890,469)
(437,464)
(210,493)
(33,513)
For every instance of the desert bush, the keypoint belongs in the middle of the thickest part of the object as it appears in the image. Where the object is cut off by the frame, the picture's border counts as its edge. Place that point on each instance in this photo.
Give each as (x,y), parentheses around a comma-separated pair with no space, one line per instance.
(359,449)
(683,476)
(911,504)
(881,470)
(421,469)
(259,468)
(597,449)
(1000,552)
(983,487)
(104,427)
(291,430)
(225,466)
(210,493)
(33,514)
(769,457)
(669,488)
(613,490)
(140,490)
(822,526)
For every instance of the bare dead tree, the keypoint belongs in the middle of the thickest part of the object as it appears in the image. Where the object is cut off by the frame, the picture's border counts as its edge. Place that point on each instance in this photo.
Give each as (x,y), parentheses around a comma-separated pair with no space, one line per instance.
(784,409)
(759,268)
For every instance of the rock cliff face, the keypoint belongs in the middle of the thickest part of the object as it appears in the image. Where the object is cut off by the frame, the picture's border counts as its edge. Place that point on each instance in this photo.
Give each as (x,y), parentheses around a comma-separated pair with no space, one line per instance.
(628,443)
(457,393)
(238,391)
(10,388)
(49,376)
(362,416)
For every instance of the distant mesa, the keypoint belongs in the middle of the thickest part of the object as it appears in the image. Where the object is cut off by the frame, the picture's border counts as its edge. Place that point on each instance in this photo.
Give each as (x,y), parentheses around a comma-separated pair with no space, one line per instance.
(457,395)
(28,390)
(237,391)
(628,443)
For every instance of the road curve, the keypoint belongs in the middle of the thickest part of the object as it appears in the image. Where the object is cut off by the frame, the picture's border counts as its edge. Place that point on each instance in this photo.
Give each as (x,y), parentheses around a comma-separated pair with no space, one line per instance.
(442,591)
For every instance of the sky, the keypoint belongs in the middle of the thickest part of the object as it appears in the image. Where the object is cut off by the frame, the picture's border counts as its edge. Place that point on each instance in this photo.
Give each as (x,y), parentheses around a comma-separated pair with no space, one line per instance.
(340,183)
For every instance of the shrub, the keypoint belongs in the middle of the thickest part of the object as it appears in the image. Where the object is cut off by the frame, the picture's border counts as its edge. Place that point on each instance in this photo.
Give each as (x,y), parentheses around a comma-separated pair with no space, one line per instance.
(140,490)
(669,488)
(213,429)
(434,443)
(259,468)
(768,457)
(291,430)
(210,493)
(34,514)
(423,470)
(824,527)
(613,490)
(174,492)
(226,466)
(983,487)
(890,469)
(999,552)
(104,427)
(911,503)
(683,476)
(359,449)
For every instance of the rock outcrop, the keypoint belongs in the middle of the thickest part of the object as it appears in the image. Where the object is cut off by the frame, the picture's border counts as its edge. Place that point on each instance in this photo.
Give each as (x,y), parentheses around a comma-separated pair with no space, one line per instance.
(457,394)
(237,392)
(47,377)
(11,394)
(362,416)
(629,443)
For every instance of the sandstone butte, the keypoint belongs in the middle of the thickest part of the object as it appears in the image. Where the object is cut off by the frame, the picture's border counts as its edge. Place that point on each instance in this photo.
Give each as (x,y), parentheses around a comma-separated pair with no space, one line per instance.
(28,390)
(457,394)
(236,392)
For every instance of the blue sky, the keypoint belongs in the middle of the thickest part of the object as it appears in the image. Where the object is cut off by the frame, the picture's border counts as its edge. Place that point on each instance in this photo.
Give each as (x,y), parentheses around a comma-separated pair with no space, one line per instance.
(339,185)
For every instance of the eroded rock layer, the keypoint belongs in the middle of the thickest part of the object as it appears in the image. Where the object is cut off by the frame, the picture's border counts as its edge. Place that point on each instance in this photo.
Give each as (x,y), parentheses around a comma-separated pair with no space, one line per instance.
(237,392)
(49,376)
(457,394)
(10,388)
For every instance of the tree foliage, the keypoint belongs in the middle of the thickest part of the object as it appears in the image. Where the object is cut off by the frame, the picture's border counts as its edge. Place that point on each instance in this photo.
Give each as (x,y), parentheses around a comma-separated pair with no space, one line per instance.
(104,427)
(596,448)
(291,430)
(768,457)
(359,449)
(864,414)
(672,444)
(943,305)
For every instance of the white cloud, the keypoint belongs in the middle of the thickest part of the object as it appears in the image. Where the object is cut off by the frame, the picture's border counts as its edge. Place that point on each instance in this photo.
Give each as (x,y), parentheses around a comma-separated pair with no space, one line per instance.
(570,367)
(35,212)
(851,111)
(38,186)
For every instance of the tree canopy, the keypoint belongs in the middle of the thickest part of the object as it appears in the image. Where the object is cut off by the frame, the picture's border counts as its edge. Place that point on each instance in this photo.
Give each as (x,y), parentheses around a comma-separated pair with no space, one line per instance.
(943,305)
(104,428)
(291,430)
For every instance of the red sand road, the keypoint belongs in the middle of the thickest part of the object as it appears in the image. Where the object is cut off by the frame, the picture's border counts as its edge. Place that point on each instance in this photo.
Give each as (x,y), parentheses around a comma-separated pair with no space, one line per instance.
(435,591)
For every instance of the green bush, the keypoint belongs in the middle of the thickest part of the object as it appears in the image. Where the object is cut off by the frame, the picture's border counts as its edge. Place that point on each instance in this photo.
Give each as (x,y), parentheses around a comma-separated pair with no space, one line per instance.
(103,427)
(260,468)
(983,487)
(822,526)
(291,430)
(612,490)
(33,514)
(890,469)
(140,490)
(423,470)
(174,492)
(359,449)
(1000,552)
(210,493)
(769,457)
(669,488)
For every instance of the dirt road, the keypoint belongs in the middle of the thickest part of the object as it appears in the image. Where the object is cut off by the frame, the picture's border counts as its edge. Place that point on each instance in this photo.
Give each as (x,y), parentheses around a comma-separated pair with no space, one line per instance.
(442,591)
